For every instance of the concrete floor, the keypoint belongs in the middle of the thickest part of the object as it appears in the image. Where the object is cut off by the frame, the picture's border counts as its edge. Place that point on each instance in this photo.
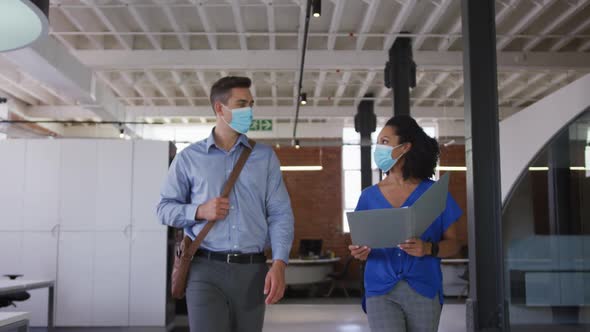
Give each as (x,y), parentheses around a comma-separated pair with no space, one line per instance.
(311,318)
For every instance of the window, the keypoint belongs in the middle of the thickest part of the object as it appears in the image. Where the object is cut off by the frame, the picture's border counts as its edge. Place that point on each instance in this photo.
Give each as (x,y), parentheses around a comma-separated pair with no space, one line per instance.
(351,167)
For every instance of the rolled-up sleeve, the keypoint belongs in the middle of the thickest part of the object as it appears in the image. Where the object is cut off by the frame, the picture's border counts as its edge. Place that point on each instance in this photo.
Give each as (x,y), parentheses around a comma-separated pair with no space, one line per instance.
(175,208)
(278,211)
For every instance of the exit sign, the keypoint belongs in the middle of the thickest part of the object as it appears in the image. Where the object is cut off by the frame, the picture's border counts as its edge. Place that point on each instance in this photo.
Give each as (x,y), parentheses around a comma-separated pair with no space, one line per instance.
(261,125)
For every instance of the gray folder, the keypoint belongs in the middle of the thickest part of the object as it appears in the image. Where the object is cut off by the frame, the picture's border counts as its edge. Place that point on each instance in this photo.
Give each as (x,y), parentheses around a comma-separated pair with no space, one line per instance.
(389,227)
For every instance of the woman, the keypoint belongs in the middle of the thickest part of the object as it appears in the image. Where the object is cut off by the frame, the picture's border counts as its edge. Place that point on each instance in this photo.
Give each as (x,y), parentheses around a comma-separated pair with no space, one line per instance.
(403,284)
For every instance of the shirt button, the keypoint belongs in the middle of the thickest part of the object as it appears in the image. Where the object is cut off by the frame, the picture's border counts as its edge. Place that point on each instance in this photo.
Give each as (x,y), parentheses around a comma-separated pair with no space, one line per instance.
(399,254)
(233,227)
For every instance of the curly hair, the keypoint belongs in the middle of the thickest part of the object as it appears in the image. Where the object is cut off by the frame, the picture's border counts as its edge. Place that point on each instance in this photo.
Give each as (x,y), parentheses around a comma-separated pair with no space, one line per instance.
(421,160)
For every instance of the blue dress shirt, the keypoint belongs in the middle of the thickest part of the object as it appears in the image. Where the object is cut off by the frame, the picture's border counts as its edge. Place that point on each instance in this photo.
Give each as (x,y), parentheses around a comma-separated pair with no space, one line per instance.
(260,212)
(386,267)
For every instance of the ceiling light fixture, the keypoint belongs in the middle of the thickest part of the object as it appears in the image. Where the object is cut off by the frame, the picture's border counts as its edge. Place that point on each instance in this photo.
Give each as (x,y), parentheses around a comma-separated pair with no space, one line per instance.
(317,8)
(22,22)
(303,98)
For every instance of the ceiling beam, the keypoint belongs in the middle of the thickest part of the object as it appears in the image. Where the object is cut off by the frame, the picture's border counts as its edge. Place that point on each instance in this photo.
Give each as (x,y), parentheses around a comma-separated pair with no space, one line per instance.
(187,91)
(136,112)
(235,7)
(566,40)
(273,79)
(584,47)
(445,43)
(398,24)
(523,23)
(76,20)
(335,22)
(156,43)
(506,82)
(164,91)
(113,24)
(204,85)
(456,87)
(342,87)
(270,17)
(431,23)
(552,83)
(316,60)
(204,19)
(557,22)
(146,94)
(440,78)
(176,25)
(319,84)
(525,85)
(370,14)
(365,87)
(508,8)
(17,92)
(123,92)
(250,75)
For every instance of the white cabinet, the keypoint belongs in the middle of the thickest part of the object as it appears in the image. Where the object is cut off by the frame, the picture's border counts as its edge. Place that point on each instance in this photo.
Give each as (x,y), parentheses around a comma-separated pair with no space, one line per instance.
(83,213)
(78,184)
(39,262)
(11,245)
(148,279)
(150,166)
(41,190)
(75,279)
(12,174)
(110,299)
(113,185)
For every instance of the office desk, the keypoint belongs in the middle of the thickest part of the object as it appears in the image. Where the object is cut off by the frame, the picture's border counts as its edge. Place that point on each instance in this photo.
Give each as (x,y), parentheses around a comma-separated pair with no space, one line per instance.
(452,269)
(308,271)
(16,286)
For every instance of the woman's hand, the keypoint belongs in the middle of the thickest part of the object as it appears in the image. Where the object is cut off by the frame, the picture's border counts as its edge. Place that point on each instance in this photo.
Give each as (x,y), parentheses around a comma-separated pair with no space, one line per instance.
(360,253)
(416,247)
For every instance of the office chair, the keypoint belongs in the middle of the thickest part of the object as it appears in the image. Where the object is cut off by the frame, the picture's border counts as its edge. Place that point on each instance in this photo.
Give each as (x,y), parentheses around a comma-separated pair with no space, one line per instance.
(8,300)
(338,278)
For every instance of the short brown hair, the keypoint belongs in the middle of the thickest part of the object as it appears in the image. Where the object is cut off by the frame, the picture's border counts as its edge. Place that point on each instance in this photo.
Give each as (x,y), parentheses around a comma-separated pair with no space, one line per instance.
(220,91)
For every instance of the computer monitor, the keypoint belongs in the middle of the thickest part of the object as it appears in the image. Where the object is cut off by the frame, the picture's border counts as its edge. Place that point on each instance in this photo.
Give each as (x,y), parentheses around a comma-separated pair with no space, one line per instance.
(310,247)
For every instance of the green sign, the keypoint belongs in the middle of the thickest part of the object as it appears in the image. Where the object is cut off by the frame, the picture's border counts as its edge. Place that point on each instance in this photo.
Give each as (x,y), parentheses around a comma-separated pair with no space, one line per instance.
(261,125)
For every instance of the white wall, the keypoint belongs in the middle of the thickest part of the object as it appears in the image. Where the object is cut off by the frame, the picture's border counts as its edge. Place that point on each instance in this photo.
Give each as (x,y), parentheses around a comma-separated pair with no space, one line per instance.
(524,134)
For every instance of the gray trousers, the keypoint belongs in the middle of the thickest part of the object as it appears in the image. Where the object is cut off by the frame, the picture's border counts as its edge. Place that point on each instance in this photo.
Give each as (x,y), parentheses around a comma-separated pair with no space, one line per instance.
(403,310)
(223,297)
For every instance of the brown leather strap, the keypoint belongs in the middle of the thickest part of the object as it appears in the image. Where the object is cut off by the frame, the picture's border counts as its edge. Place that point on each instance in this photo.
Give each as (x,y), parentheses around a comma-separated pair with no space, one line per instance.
(233,177)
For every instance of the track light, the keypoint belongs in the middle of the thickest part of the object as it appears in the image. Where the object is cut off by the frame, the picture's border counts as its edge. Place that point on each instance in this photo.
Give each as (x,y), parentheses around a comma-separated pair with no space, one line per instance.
(304,98)
(121,133)
(297,146)
(317,8)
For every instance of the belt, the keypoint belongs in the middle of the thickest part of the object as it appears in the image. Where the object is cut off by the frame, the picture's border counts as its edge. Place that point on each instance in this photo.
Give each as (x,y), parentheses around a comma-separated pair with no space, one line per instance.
(232,258)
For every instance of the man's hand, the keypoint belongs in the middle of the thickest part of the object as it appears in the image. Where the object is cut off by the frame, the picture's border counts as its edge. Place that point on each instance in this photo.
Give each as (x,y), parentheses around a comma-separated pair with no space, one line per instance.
(213,210)
(416,247)
(274,285)
(360,253)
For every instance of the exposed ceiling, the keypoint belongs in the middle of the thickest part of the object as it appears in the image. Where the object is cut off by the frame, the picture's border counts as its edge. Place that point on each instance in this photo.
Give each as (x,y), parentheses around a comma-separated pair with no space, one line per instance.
(160,57)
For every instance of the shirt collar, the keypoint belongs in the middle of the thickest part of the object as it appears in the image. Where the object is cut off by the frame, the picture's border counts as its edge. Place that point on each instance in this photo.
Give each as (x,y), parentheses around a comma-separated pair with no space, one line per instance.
(242,139)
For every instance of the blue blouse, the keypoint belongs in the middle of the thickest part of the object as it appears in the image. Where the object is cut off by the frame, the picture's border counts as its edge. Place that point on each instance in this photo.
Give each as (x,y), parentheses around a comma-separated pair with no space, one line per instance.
(387,266)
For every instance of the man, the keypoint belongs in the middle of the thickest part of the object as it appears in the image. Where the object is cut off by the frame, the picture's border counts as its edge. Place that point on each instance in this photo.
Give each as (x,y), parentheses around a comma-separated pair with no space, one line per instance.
(229,282)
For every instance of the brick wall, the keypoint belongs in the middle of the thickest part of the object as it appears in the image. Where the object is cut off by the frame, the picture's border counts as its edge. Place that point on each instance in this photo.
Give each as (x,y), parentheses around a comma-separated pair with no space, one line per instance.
(316,197)
(454,155)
